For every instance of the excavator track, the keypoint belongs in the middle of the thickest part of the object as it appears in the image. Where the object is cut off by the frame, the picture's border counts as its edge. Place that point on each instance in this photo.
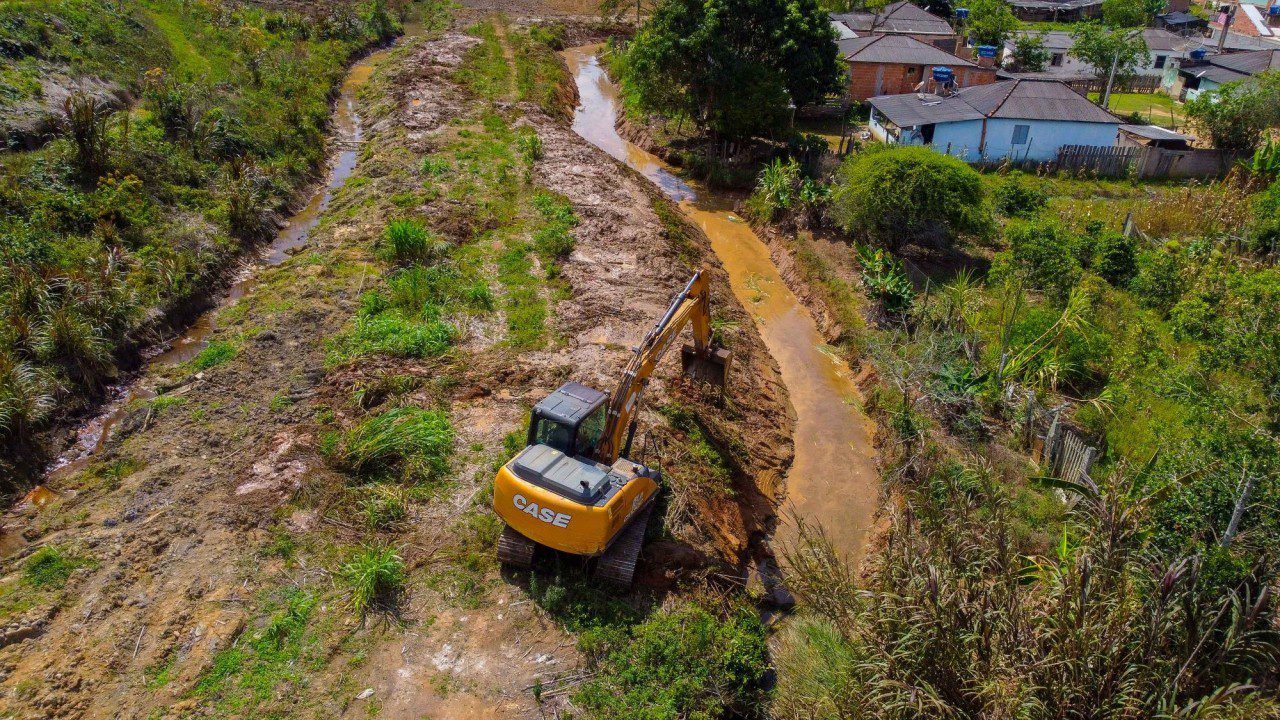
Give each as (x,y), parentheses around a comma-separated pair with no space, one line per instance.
(515,549)
(617,566)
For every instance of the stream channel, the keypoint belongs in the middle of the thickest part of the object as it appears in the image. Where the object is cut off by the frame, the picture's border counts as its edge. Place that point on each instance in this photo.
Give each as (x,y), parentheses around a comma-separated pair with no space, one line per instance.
(346,133)
(833,479)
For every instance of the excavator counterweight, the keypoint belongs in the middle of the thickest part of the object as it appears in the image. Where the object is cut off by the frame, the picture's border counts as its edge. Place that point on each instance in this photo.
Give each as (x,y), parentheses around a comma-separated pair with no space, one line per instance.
(573,488)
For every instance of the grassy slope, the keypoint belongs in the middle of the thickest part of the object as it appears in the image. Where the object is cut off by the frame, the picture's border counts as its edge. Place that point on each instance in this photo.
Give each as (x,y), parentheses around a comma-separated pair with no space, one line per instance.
(231,126)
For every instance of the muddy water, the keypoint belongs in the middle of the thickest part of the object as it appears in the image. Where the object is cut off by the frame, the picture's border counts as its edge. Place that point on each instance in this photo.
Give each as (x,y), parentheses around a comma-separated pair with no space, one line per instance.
(346,135)
(833,480)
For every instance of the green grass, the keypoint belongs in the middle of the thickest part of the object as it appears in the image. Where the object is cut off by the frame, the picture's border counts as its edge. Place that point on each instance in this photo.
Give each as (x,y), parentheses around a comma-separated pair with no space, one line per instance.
(485,70)
(407,443)
(50,566)
(1156,109)
(214,354)
(374,576)
(248,678)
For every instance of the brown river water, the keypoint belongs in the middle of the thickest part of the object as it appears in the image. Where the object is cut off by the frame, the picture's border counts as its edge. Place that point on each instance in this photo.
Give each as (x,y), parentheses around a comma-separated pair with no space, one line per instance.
(833,480)
(346,133)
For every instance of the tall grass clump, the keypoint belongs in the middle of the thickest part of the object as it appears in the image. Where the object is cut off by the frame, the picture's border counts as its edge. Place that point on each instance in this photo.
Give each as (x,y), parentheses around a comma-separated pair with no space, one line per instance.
(405,241)
(406,443)
(374,577)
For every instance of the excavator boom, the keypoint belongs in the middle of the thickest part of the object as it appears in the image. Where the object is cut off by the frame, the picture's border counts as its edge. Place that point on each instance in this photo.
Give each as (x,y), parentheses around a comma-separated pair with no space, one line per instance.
(691,306)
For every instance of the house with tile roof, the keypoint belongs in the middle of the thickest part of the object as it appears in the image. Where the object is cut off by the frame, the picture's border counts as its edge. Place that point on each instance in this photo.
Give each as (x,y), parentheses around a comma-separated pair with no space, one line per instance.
(1022,119)
(1164,50)
(892,64)
(897,18)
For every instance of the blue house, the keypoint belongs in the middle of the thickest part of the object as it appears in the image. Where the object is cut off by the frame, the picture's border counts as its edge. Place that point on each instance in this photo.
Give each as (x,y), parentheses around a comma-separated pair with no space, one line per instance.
(1023,120)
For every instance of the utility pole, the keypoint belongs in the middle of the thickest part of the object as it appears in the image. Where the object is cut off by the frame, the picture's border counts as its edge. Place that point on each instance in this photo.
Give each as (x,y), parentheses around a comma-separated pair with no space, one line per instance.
(1111,77)
(1226,26)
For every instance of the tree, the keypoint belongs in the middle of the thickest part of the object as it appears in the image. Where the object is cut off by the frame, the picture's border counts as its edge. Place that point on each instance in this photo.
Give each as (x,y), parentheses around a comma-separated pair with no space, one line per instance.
(1236,116)
(1103,49)
(991,22)
(733,66)
(1130,13)
(615,9)
(1030,54)
(905,194)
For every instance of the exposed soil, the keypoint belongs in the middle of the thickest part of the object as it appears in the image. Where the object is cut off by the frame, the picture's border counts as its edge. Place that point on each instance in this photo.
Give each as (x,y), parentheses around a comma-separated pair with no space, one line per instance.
(177,534)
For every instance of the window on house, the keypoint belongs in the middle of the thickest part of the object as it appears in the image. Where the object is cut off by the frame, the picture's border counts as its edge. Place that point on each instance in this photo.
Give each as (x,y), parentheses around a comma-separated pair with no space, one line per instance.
(1057,59)
(1159,62)
(1020,133)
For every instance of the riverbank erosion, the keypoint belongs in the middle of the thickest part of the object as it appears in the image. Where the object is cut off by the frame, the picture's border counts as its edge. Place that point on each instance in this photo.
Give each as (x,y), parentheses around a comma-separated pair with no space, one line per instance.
(242,551)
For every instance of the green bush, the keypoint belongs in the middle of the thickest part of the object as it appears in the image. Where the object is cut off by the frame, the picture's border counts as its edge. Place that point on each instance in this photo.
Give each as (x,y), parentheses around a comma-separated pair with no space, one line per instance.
(1044,253)
(884,279)
(909,194)
(1158,282)
(681,663)
(408,443)
(1015,196)
(1115,257)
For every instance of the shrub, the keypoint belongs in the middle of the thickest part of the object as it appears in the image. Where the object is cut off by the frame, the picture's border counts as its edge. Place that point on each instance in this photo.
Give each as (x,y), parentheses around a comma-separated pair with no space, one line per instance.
(681,663)
(1015,196)
(1264,232)
(26,395)
(87,122)
(1158,282)
(1115,257)
(909,194)
(1043,253)
(884,279)
(374,576)
(408,442)
(775,189)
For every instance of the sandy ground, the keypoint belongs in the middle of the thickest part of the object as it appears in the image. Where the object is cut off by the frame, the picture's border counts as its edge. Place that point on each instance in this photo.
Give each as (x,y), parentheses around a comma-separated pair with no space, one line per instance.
(177,569)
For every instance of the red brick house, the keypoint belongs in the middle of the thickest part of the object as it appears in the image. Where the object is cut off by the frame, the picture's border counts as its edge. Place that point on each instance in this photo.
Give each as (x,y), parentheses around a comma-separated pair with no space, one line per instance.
(898,18)
(895,64)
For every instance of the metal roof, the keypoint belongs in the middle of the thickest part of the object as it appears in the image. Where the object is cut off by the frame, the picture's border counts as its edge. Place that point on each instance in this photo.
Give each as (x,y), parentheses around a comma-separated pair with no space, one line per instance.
(570,403)
(898,17)
(896,49)
(1054,4)
(1156,38)
(1155,132)
(1229,67)
(1021,99)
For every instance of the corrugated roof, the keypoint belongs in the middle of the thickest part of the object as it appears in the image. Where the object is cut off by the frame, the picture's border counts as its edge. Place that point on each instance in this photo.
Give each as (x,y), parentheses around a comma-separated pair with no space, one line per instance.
(1230,67)
(898,17)
(1157,39)
(897,49)
(1154,132)
(1058,5)
(1022,99)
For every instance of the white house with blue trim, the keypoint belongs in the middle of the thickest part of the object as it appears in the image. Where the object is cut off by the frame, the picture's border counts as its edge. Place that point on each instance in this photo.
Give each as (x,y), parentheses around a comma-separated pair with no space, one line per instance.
(1023,120)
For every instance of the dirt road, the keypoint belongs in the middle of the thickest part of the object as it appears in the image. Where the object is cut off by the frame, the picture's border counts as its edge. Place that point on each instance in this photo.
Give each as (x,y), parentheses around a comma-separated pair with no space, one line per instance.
(203,544)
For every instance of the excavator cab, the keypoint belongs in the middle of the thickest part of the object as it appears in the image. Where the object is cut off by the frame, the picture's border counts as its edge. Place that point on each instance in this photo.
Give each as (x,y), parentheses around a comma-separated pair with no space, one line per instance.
(573,487)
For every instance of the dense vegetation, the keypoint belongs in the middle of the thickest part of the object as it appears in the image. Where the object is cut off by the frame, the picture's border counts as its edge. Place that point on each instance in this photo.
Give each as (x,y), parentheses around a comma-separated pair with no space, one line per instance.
(126,216)
(731,66)
(1142,592)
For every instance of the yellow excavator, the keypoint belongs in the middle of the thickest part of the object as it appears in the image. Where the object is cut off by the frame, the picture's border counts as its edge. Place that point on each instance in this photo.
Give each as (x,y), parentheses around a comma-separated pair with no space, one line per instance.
(574,488)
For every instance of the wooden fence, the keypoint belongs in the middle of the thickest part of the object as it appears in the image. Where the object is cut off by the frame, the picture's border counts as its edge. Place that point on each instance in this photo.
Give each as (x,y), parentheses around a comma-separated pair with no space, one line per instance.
(1143,161)
(1135,84)
(1097,160)
(1059,449)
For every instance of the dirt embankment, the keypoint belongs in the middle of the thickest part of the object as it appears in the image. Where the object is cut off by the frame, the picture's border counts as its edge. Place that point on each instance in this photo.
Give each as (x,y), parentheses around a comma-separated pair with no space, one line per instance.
(191,527)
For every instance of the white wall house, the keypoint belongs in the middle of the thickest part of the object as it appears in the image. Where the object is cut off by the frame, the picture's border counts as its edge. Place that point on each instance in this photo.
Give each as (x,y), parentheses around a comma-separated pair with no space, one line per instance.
(1164,50)
(1025,120)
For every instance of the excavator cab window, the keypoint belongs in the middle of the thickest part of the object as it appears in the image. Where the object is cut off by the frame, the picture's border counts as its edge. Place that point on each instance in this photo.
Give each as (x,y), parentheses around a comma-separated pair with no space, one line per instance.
(590,430)
(553,434)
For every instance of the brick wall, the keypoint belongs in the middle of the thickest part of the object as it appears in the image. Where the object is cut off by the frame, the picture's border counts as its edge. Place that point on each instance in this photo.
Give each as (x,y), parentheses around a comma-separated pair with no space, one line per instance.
(872,79)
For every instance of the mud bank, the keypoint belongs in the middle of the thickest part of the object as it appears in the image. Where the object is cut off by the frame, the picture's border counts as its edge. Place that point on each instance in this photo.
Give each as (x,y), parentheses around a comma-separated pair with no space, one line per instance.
(833,480)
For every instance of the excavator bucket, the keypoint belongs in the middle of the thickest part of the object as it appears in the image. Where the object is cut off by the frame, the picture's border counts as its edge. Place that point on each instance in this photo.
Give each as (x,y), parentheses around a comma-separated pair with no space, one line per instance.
(712,368)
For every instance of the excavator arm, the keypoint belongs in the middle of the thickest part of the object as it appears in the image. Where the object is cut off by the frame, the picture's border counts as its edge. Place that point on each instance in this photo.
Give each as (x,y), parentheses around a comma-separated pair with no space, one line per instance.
(691,306)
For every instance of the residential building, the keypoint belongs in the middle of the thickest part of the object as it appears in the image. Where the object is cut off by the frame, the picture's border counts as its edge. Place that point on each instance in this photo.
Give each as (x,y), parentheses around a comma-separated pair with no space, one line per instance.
(1056,10)
(1023,120)
(1214,71)
(1182,23)
(891,64)
(1164,48)
(898,18)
